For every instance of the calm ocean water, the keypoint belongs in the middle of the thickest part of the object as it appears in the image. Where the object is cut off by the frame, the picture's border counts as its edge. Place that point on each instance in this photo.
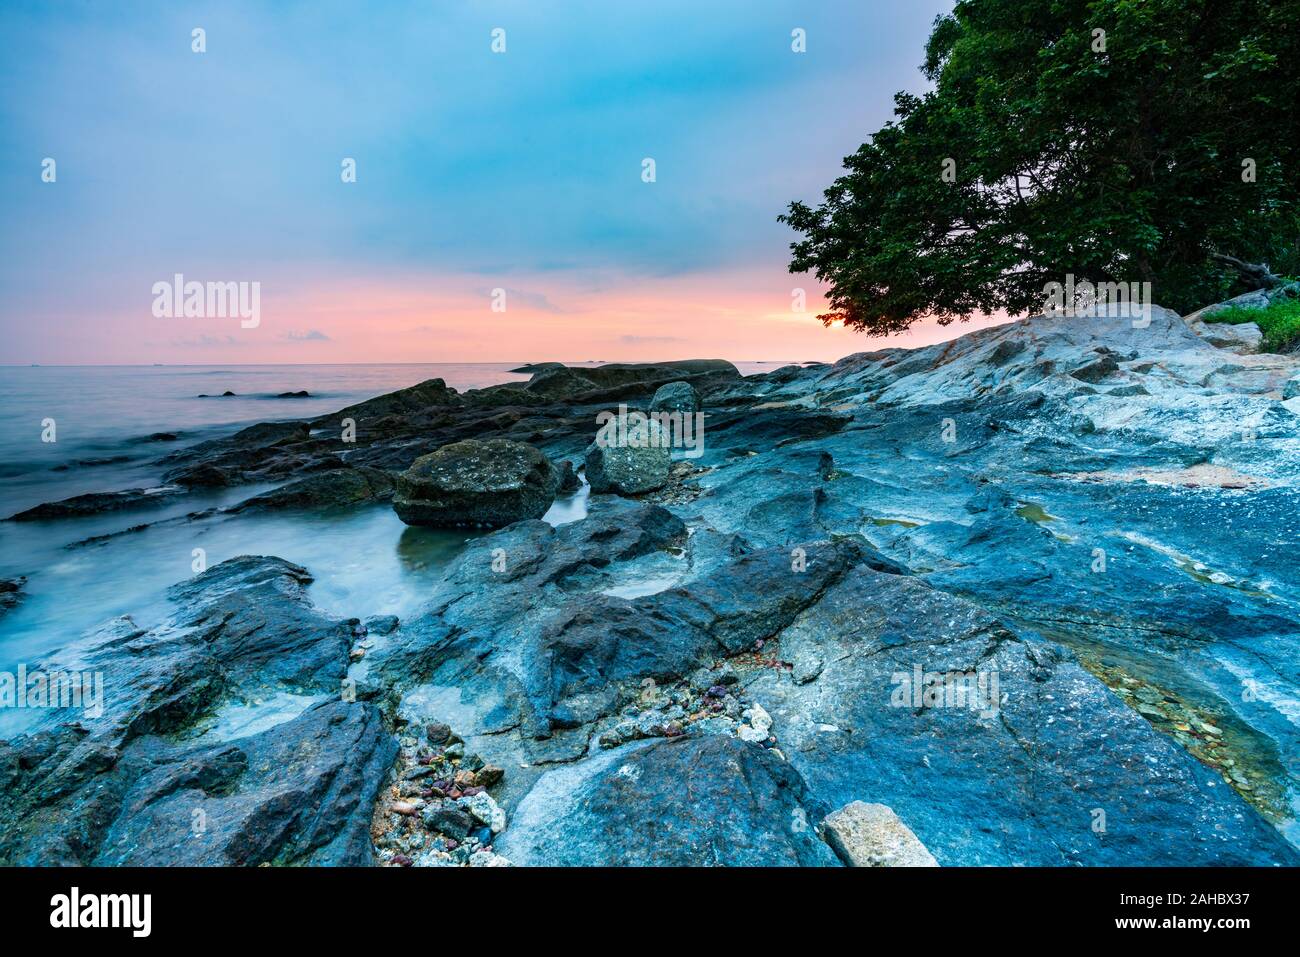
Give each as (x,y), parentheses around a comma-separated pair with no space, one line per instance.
(83,572)
(102,413)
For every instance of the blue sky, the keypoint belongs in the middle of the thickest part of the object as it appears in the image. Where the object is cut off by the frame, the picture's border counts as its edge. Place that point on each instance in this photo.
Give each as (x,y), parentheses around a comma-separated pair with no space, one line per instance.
(475,171)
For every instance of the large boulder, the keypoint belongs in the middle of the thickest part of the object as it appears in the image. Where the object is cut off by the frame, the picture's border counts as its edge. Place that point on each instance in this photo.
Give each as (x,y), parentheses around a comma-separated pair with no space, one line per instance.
(476,483)
(676,397)
(630,465)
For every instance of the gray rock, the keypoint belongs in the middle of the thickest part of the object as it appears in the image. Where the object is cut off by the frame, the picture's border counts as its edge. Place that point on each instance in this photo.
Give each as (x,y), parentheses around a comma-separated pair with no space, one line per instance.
(300,793)
(334,488)
(96,503)
(448,818)
(438,733)
(1244,338)
(676,397)
(484,809)
(567,478)
(135,786)
(1096,371)
(871,835)
(473,483)
(1037,753)
(11,593)
(710,801)
(381,624)
(630,468)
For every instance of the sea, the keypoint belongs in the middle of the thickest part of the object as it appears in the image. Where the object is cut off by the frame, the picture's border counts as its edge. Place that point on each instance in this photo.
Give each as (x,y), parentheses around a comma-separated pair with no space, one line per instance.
(83,573)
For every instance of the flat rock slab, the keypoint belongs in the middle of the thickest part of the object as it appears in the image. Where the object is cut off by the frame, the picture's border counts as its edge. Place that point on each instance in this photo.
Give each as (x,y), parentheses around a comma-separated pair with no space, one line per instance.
(142,784)
(708,801)
(1007,775)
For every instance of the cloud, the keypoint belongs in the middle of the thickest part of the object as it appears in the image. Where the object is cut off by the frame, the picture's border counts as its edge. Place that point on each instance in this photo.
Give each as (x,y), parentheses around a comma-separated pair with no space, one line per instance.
(311,335)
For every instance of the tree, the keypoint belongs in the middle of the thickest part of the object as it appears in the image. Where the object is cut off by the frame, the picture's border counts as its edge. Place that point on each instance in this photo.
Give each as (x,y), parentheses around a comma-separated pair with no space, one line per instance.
(1115,140)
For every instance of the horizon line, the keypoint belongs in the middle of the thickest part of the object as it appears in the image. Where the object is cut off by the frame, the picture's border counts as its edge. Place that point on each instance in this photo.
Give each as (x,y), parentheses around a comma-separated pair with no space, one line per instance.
(478,362)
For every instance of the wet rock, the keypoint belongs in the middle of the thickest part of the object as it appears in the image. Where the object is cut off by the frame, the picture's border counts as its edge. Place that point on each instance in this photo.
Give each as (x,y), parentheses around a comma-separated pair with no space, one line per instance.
(205,475)
(381,624)
(97,503)
(686,801)
(568,478)
(432,393)
(337,487)
(871,835)
(11,593)
(448,818)
(474,483)
(532,368)
(268,450)
(256,620)
(676,397)
(638,465)
(438,733)
(130,788)
(1036,752)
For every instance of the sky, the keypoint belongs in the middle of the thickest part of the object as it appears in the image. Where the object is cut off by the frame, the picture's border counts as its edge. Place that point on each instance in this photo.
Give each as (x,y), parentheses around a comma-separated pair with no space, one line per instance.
(477,173)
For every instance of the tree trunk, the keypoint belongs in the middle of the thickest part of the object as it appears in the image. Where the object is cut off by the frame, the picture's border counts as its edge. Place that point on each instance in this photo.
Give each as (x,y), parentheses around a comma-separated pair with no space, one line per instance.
(1254,275)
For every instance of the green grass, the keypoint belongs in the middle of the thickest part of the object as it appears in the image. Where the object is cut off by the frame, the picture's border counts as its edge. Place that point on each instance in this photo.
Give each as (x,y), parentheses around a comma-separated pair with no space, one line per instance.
(1280,322)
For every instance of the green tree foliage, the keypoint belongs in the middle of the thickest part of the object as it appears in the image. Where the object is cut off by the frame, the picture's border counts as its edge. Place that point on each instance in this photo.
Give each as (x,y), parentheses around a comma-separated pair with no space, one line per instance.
(1115,156)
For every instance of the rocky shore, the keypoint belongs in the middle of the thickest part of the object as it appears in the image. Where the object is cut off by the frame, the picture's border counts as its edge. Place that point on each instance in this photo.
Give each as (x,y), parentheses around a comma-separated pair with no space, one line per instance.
(741,657)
